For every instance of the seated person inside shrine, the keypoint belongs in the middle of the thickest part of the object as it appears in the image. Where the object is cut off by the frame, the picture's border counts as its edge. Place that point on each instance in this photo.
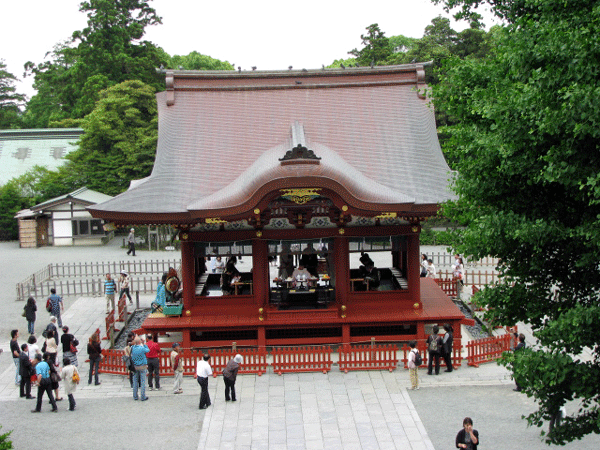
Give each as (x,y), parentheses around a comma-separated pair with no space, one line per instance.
(230,276)
(372,277)
(301,277)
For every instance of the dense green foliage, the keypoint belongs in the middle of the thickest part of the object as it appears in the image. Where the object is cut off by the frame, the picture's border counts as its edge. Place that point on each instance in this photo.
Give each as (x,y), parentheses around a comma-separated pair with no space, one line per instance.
(526,144)
(119,142)
(107,52)
(196,61)
(10,100)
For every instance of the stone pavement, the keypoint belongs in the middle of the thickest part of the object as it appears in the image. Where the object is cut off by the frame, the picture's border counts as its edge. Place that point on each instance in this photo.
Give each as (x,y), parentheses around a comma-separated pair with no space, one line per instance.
(358,410)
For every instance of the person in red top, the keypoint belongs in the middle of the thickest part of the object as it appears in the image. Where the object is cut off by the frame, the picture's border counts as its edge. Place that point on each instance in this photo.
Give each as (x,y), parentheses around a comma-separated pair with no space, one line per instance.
(153,362)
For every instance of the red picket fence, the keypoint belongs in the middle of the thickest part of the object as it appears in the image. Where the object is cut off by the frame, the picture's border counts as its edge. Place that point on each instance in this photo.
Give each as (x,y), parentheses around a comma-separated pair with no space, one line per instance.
(447,285)
(122,308)
(110,324)
(487,349)
(302,359)
(368,357)
(255,361)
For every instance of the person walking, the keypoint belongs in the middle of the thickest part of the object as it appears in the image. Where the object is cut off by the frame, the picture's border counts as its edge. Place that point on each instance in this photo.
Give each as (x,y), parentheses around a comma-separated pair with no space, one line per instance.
(131,242)
(70,381)
(447,341)
(42,370)
(138,358)
(69,345)
(153,362)
(434,343)
(413,369)
(177,366)
(95,354)
(30,309)
(25,370)
(56,305)
(519,346)
(124,281)
(109,291)
(229,375)
(467,438)
(15,350)
(203,371)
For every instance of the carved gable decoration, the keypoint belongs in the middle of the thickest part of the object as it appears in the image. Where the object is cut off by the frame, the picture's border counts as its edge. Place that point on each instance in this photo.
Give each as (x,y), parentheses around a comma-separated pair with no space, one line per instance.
(299,154)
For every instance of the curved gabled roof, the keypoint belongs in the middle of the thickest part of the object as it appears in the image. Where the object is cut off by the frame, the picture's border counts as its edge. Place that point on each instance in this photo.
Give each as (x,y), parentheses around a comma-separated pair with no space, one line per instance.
(221,135)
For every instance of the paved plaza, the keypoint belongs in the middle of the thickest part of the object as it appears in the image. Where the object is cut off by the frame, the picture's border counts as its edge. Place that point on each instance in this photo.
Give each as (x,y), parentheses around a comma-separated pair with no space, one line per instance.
(358,410)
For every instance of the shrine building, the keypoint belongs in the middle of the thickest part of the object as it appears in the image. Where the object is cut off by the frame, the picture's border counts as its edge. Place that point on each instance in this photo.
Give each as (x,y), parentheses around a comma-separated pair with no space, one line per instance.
(317,182)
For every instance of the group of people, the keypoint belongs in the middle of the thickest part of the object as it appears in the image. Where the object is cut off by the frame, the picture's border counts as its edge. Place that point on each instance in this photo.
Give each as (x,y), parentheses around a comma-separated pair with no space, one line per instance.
(427,267)
(110,288)
(35,366)
(141,357)
(437,346)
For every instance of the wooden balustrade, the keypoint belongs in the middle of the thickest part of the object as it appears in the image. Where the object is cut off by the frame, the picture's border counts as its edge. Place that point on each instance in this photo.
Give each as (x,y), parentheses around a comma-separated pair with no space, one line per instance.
(302,359)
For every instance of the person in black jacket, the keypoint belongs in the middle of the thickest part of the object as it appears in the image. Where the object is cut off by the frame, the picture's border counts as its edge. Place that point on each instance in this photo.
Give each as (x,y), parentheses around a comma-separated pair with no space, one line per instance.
(519,346)
(25,370)
(467,437)
(95,353)
(447,346)
(434,344)
(30,309)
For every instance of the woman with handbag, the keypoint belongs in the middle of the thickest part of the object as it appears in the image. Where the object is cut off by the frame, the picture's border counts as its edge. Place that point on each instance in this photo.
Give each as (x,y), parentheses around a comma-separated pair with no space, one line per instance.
(70,377)
(69,344)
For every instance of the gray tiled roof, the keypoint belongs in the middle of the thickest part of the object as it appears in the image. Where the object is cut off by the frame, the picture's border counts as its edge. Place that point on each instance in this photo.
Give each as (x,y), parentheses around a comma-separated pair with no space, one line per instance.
(21,150)
(224,135)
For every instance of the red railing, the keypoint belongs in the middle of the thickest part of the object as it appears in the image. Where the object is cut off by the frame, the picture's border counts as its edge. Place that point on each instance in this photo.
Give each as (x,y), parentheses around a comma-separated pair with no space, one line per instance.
(487,349)
(368,357)
(122,308)
(110,324)
(448,285)
(255,361)
(302,359)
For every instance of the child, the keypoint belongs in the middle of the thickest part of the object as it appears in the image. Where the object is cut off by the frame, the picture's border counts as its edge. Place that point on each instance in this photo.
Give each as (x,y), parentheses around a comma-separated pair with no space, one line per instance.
(70,385)
(413,369)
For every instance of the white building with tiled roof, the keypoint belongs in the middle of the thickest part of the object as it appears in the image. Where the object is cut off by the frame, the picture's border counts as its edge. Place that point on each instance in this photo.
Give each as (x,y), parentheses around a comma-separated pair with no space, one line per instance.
(21,150)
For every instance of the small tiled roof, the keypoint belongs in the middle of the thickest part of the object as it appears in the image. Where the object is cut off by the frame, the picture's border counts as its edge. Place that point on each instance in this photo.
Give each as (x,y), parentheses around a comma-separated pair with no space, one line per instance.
(21,150)
(222,135)
(82,195)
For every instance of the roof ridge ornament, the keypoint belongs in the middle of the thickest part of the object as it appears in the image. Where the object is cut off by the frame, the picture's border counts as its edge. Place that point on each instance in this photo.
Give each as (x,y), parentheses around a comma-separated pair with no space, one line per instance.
(299,154)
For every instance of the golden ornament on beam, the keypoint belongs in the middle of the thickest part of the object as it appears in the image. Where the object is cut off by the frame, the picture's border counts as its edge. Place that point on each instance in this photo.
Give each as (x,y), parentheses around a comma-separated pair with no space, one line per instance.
(300,196)
(188,313)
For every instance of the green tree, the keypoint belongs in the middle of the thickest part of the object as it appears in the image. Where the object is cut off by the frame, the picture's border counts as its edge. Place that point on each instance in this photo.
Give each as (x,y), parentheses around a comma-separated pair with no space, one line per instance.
(526,142)
(119,143)
(10,100)
(108,51)
(376,47)
(197,61)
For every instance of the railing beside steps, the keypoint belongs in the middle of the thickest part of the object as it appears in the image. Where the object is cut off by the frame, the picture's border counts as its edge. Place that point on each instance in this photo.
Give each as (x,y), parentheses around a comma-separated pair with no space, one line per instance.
(316,358)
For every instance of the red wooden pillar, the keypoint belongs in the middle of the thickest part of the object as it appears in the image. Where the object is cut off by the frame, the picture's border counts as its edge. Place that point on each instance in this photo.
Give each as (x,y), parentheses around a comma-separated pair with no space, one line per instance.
(260,271)
(262,337)
(187,273)
(413,271)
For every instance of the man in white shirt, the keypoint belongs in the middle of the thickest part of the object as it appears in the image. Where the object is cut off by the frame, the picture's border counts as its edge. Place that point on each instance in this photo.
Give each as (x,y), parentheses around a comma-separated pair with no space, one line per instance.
(203,371)
(431,272)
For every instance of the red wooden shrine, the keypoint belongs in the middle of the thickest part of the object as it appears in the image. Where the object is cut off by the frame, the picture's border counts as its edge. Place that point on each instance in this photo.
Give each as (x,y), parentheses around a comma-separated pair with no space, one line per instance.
(289,168)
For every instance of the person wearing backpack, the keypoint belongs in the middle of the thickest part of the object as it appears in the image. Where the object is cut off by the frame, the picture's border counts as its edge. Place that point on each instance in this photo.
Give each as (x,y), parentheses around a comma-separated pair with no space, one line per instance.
(434,345)
(414,361)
